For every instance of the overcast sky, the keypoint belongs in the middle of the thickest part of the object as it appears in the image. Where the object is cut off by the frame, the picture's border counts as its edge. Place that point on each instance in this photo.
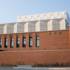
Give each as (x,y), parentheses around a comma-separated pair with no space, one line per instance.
(10,9)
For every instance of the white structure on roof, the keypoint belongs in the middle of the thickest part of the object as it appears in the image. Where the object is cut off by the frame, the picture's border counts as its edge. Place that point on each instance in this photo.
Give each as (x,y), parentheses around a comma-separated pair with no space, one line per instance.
(37,23)
(44,16)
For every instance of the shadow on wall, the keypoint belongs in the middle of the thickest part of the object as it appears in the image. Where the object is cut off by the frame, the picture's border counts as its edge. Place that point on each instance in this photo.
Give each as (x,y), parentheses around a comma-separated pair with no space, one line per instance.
(39,65)
(52,65)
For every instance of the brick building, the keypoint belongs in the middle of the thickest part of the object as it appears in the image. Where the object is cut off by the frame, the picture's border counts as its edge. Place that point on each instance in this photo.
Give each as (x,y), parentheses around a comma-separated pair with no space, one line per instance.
(36,39)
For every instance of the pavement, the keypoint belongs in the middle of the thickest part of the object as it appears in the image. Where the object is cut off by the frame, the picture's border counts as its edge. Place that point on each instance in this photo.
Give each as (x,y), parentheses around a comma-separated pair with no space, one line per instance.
(34,68)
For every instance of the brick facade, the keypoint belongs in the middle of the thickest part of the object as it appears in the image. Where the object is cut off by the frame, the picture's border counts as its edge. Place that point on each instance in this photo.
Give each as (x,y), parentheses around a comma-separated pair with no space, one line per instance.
(54,48)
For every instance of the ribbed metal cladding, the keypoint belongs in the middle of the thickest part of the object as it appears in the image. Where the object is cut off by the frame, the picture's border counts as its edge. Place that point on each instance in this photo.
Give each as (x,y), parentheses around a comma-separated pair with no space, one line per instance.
(43,25)
(1,28)
(20,27)
(31,26)
(26,27)
(10,28)
(55,25)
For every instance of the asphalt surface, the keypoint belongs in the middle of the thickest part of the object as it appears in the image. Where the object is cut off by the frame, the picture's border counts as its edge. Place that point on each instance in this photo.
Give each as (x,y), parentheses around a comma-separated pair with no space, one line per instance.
(34,68)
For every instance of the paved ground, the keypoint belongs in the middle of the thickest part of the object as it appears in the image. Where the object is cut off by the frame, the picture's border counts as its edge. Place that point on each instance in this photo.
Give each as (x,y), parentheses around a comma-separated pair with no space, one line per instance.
(34,68)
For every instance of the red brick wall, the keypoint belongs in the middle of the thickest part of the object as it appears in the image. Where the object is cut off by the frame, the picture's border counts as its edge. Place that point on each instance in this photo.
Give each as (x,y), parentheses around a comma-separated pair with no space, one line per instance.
(54,40)
(35,57)
(54,48)
(69,36)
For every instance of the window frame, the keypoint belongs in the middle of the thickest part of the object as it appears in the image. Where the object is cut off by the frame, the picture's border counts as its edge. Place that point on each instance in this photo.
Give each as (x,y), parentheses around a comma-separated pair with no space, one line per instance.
(37,41)
(23,41)
(17,41)
(6,42)
(11,42)
(0,42)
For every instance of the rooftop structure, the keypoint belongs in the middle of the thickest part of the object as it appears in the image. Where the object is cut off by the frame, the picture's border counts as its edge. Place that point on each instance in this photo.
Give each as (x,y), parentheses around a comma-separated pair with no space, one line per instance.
(37,23)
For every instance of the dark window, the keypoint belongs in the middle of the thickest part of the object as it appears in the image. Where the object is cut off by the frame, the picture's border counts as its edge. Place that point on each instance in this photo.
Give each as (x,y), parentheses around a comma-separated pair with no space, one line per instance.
(0,42)
(37,41)
(12,42)
(17,42)
(30,41)
(6,42)
(24,41)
